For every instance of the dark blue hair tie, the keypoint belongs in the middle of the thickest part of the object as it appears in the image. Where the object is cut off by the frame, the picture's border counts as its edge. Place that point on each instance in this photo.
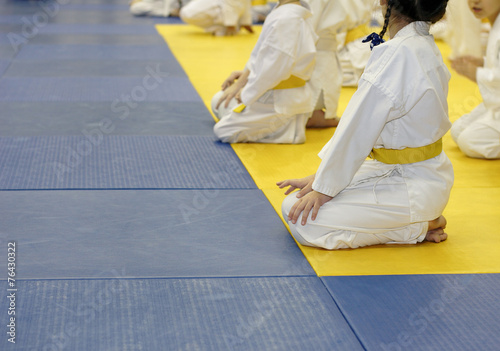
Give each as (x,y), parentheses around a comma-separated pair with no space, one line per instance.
(374,40)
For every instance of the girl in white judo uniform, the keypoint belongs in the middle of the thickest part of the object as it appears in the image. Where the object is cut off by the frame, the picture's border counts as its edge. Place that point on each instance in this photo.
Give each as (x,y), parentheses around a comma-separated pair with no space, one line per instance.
(477,134)
(463,30)
(331,17)
(219,17)
(157,8)
(398,115)
(271,101)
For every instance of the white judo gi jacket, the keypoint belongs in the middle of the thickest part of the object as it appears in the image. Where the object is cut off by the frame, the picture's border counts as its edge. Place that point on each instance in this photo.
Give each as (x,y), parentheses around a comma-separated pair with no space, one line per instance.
(285,49)
(401,102)
(478,133)
(212,15)
(331,17)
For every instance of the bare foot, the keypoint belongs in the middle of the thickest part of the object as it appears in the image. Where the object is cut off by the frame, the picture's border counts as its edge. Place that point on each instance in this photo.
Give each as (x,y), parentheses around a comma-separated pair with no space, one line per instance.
(436,232)
(318,120)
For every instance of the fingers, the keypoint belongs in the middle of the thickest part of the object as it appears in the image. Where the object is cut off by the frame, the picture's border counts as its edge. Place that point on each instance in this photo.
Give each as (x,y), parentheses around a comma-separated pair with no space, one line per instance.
(219,102)
(227,83)
(295,211)
(305,212)
(284,183)
(315,210)
(300,207)
(223,97)
(304,191)
(228,99)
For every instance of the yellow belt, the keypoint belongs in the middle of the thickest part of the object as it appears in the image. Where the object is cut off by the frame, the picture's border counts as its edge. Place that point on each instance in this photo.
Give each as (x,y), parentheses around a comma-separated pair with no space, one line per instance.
(290,83)
(357,33)
(409,154)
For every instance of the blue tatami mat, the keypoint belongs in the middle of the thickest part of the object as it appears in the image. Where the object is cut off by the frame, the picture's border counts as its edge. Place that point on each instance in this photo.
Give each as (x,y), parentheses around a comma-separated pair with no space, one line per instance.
(133,89)
(96,39)
(148,233)
(73,118)
(94,52)
(170,314)
(422,312)
(3,65)
(164,68)
(7,51)
(97,161)
(92,16)
(99,29)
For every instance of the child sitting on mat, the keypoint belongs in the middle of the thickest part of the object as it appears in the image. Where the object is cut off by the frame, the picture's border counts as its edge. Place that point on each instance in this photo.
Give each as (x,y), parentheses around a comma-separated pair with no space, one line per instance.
(398,116)
(477,134)
(219,17)
(270,101)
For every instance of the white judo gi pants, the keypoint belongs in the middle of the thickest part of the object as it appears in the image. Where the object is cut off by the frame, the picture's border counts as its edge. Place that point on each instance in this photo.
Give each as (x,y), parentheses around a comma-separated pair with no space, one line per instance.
(374,212)
(258,123)
(477,134)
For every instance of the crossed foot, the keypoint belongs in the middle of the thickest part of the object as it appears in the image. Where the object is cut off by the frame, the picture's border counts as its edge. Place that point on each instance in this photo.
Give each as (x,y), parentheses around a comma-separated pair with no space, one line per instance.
(318,120)
(436,232)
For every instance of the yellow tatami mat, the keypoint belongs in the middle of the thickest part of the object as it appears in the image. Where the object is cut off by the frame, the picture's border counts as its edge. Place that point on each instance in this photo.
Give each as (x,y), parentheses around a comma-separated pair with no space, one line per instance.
(473,212)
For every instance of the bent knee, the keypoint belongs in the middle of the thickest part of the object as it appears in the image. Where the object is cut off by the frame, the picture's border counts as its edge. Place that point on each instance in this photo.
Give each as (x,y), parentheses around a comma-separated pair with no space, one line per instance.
(287,204)
(187,13)
(215,101)
(480,144)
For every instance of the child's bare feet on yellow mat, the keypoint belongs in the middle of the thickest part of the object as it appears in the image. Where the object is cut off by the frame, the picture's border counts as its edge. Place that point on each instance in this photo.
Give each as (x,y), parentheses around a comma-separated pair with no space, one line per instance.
(318,120)
(436,232)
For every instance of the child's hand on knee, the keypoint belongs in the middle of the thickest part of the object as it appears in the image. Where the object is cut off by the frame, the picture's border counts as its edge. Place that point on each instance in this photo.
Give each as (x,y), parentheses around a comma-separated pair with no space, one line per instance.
(304,184)
(231,79)
(312,201)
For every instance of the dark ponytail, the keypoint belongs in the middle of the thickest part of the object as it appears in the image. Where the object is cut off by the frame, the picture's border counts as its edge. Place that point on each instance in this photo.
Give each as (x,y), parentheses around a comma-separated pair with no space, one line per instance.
(430,10)
(386,18)
(415,10)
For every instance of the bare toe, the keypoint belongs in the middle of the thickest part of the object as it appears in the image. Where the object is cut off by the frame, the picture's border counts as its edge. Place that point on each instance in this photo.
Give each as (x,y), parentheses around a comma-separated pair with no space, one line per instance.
(439,222)
(436,235)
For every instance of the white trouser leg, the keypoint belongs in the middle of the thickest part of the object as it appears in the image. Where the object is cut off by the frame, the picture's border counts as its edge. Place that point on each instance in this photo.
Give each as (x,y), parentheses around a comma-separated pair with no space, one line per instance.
(356,218)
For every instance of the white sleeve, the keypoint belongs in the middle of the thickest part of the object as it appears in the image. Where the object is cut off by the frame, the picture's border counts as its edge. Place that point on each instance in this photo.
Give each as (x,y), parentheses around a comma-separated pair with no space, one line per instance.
(232,11)
(274,61)
(358,131)
(340,15)
(488,80)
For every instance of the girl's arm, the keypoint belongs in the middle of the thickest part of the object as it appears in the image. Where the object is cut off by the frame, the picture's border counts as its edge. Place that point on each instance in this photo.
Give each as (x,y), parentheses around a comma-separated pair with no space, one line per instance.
(234,90)
(359,129)
(274,58)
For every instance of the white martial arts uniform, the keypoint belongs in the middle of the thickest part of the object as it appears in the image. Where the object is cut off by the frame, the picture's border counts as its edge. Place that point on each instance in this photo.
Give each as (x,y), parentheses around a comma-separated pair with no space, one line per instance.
(463,30)
(215,15)
(331,17)
(400,103)
(477,134)
(285,49)
(156,8)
